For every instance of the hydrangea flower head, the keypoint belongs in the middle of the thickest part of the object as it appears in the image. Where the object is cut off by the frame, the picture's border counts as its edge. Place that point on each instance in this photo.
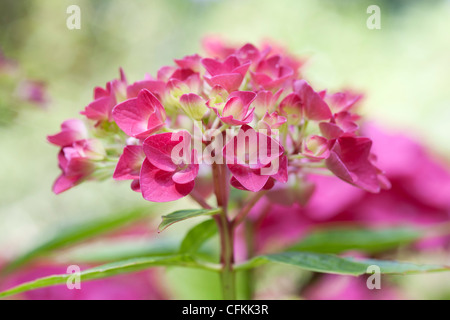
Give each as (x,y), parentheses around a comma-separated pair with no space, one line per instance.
(246,108)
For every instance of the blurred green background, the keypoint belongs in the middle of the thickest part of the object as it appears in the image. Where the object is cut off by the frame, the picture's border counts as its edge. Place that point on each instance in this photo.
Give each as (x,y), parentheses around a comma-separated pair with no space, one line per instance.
(404,69)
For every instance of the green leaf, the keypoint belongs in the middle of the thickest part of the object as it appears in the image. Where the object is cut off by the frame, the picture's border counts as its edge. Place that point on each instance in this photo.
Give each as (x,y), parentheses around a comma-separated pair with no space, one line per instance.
(116,250)
(328,263)
(75,234)
(344,239)
(197,236)
(109,270)
(181,215)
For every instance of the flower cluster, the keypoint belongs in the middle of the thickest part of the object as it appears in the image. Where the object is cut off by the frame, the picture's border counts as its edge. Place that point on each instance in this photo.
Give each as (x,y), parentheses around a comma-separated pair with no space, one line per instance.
(247,108)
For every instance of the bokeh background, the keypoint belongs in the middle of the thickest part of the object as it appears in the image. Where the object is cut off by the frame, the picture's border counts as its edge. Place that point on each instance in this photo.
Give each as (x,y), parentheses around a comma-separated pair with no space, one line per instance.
(403,68)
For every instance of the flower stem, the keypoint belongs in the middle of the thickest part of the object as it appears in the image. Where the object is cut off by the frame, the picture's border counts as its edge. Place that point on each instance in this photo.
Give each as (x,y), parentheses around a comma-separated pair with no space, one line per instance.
(246,209)
(228,277)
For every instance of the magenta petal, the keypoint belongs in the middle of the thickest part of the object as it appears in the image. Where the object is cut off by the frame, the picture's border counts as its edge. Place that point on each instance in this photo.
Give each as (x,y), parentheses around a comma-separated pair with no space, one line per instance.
(79,166)
(189,62)
(99,92)
(247,97)
(158,149)
(335,165)
(236,184)
(64,183)
(282,173)
(235,108)
(315,107)
(213,66)
(71,131)
(353,155)
(133,116)
(128,118)
(248,52)
(129,164)
(261,79)
(186,175)
(155,87)
(242,69)
(231,63)
(330,130)
(228,81)
(99,109)
(248,177)
(158,186)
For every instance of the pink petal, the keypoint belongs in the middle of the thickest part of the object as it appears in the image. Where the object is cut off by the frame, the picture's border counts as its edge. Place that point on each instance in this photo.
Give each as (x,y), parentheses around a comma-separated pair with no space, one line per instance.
(71,131)
(129,164)
(99,109)
(350,157)
(141,116)
(235,108)
(315,107)
(186,175)
(155,87)
(247,97)
(228,81)
(236,184)
(282,173)
(64,183)
(158,149)
(330,130)
(213,66)
(249,179)
(157,185)
(248,52)
(189,62)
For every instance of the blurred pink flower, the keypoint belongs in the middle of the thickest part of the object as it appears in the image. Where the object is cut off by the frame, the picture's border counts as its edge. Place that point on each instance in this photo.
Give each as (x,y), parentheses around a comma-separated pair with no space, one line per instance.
(419,196)
(34,92)
(334,287)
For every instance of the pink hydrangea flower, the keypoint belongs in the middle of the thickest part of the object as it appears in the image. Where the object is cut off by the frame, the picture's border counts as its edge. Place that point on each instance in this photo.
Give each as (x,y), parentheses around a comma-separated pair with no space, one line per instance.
(77,163)
(271,74)
(161,178)
(228,74)
(71,131)
(313,105)
(350,160)
(129,165)
(266,102)
(250,164)
(140,117)
(243,89)
(271,121)
(105,99)
(235,111)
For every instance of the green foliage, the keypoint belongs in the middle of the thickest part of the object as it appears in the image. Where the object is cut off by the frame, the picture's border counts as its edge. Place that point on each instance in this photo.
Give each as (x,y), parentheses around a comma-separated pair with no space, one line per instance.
(328,263)
(77,233)
(110,270)
(198,235)
(181,215)
(344,239)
